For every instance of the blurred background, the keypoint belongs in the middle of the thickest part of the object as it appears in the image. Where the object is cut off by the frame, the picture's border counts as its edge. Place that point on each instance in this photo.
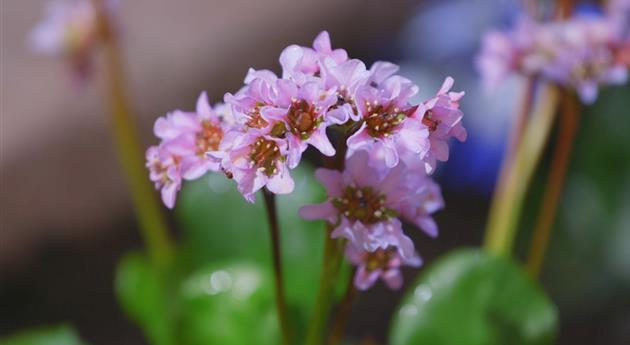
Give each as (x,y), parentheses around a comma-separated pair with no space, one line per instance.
(66,217)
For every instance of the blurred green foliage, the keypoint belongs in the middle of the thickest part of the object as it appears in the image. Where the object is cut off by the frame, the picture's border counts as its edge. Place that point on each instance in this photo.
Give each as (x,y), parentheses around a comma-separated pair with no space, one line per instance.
(52,335)
(468,297)
(586,266)
(223,236)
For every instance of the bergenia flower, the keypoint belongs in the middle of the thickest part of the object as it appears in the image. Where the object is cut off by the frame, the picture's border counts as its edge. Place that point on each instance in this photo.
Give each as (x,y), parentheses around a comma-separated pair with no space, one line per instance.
(165,172)
(299,117)
(386,129)
(300,64)
(69,30)
(582,52)
(345,78)
(382,263)
(200,135)
(259,92)
(443,118)
(255,160)
(365,203)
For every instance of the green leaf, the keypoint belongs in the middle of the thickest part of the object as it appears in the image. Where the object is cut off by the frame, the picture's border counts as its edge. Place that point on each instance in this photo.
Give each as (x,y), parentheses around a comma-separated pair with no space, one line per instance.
(219,224)
(142,292)
(230,303)
(51,335)
(472,298)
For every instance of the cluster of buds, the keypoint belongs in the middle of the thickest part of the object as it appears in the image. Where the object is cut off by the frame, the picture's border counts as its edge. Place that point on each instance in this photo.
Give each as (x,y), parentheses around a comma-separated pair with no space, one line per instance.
(582,52)
(258,135)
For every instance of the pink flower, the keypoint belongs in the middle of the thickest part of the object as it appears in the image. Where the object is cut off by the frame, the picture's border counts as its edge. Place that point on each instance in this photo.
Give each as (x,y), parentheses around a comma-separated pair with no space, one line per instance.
(364,203)
(442,117)
(345,78)
(69,30)
(582,53)
(195,137)
(299,117)
(259,92)
(255,160)
(386,129)
(382,263)
(165,173)
(503,53)
(302,63)
(422,201)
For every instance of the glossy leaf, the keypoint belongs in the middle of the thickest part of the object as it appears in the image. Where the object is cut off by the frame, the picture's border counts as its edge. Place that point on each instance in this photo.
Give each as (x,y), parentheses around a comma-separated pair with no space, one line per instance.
(228,304)
(52,335)
(142,292)
(471,298)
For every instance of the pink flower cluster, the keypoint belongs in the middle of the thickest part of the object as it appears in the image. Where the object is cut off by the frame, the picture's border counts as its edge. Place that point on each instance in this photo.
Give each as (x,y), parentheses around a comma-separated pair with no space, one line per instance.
(582,53)
(261,131)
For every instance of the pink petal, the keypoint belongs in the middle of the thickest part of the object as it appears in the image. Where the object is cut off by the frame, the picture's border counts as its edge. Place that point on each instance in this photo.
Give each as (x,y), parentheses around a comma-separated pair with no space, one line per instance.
(364,279)
(320,141)
(325,211)
(331,179)
(203,107)
(393,278)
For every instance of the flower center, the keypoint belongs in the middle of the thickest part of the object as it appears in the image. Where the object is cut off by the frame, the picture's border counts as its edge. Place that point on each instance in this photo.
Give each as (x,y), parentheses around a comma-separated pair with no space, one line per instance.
(255,119)
(302,118)
(378,259)
(382,121)
(428,121)
(264,154)
(209,138)
(364,205)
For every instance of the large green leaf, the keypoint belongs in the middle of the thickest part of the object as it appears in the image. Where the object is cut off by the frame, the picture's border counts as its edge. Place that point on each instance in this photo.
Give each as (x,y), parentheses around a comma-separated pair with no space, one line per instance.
(51,335)
(472,298)
(142,292)
(228,304)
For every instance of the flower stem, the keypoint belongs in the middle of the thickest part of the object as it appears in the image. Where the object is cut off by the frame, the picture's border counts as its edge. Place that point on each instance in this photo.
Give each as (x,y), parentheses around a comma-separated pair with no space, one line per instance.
(569,120)
(343,312)
(330,270)
(151,220)
(274,231)
(508,198)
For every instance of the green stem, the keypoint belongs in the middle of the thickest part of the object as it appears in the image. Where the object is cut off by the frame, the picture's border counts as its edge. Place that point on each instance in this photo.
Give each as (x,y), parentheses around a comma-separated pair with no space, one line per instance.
(330,271)
(569,119)
(274,231)
(151,220)
(508,198)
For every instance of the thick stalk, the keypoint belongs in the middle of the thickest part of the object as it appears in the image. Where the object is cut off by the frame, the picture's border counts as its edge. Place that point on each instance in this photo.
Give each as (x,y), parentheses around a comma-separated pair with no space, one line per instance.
(148,211)
(343,312)
(569,119)
(506,206)
(274,232)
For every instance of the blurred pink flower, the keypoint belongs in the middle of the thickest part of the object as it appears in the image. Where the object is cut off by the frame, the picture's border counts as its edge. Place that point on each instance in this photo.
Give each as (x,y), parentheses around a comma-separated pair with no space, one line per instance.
(382,263)
(582,52)
(165,173)
(69,30)
(365,203)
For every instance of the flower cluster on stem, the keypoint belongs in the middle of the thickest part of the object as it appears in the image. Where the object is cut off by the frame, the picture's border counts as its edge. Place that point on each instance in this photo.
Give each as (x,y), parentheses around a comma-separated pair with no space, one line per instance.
(260,132)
